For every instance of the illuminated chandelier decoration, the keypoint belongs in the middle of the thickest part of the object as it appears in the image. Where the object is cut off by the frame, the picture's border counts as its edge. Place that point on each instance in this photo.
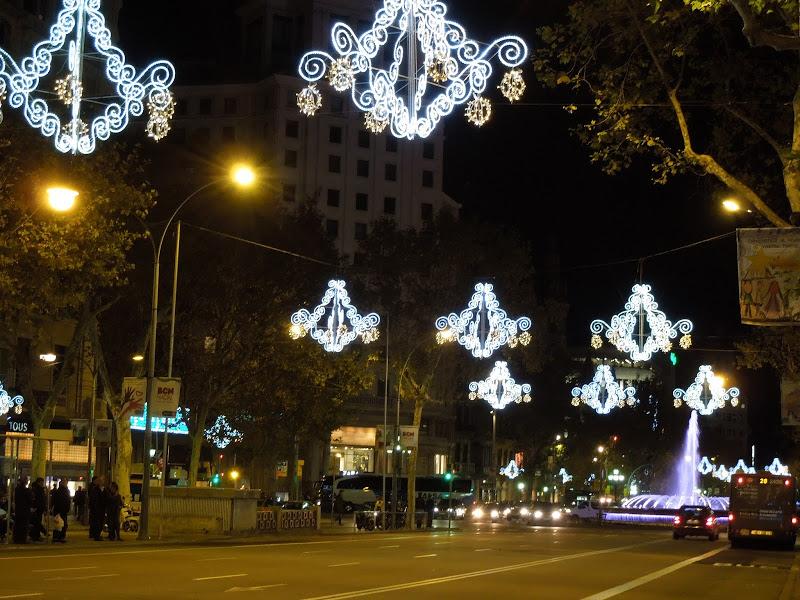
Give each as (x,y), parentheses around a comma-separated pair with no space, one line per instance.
(9,404)
(483,326)
(82,20)
(628,329)
(432,67)
(511,470)
(707,393)
(221,434)
(342,322)
(499,389)
(604,393)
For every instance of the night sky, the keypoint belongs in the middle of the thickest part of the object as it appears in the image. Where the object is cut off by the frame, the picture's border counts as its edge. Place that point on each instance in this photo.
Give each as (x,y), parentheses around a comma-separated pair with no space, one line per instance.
(526,170)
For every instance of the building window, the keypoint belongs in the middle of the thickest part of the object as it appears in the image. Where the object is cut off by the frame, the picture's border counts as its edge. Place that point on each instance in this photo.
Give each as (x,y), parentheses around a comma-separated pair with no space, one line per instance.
(363,139)
(333,198)
(202,135)
(362,202)
(361,231)
(180,105)
(205,106)
(426,211)
(429,150)
(440,464)
(290,159)
(289,192)
(291,99)
(391,143)
(362,168)
(390,172)
(228,134)
(427,179)
(292,129)
(332,228)
(178,135)
(389,205)
(337,105)
(334,164)
(335,135)
(231,106)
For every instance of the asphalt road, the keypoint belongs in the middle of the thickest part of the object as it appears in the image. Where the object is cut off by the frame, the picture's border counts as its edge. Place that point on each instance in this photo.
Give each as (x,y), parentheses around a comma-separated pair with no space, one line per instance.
(485,562)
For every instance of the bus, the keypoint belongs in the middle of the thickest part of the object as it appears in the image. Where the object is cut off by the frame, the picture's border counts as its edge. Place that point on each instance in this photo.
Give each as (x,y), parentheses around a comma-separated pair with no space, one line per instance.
(763,506)
(361,491)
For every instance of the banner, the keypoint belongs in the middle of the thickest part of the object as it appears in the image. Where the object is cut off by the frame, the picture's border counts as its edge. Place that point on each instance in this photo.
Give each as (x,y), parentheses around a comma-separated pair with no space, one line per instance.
(769,276)
(790,402)
(133,393)
(409,437)
(80,432)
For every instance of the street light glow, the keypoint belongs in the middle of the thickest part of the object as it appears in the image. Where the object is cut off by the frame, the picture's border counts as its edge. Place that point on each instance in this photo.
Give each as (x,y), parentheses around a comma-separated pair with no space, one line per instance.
(243,175)
(731,205)
(137,358)
(48,358)
(234,474)
(601,449)
(61,199)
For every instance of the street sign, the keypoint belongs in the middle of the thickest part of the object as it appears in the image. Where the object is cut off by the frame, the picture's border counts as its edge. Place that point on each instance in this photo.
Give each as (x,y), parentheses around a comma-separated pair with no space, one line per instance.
(165,395)
(409,437)
(103,429)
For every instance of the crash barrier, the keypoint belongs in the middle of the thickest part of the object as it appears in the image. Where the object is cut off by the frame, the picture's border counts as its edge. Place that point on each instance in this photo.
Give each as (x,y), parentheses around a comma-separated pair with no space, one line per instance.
(204,510)
(369,520)
(274,519)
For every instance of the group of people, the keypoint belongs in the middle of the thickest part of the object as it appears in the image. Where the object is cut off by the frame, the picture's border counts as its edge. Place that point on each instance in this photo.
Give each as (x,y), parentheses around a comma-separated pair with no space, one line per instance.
(30,506)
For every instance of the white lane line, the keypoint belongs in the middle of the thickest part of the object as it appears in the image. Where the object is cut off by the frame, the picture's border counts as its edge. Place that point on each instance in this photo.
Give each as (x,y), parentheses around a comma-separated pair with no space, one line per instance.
(315,551)
(219,577)
(220,558)
(256,588)
(425,555)
(482,549)
(350,564)
(82,577)
(386,547)
(64,569)
(441,543)
(29,595)
(640,581)
(471,574)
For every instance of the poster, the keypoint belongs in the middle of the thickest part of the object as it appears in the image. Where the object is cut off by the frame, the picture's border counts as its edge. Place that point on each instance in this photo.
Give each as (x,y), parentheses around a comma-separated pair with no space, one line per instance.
(769,276)
(790,402)
(80,432)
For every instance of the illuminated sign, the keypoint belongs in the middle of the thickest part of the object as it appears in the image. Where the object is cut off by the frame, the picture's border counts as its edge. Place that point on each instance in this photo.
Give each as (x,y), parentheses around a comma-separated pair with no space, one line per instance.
(176,425)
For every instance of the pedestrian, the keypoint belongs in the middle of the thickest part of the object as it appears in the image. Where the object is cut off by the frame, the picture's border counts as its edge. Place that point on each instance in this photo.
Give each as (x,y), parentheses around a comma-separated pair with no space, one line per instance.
(97,508)
(430,504)
(80,503)
(338,507)
(23,503)
(3,514)
(39,508)
(61,506)
(113,508)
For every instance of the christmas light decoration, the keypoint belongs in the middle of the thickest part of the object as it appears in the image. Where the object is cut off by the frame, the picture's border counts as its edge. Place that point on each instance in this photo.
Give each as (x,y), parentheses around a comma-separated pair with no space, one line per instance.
(706,394)
(706,467)
(342,325)
(374,124)
(9,404)
(483,326)
(741,467)
(177,425)
(604,393)
(479,111)
(413,66)
(221,434)
(777,468)
(628,330)
(499,389)
(82,21)
(565,477)
(511,470)
(309,100)
(513,85)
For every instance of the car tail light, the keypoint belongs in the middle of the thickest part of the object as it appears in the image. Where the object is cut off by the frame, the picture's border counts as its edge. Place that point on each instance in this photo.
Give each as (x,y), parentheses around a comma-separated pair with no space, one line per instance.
(794,520)
(740,480)
(730,517)
(676,520)
(787,482)
(710,522)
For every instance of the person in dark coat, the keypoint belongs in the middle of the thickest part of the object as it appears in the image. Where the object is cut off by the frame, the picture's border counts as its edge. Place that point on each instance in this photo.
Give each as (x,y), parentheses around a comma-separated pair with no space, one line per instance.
(23,503)
(61,506)
(39,508)
(80,503)
(3,514)
(113,508)
(430,504)
(338,507)
(97,508)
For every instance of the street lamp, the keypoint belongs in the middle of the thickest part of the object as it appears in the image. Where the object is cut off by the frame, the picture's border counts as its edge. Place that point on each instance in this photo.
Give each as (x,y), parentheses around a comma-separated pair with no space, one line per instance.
(137,358)
(61,199)
(731,205)
(243,177)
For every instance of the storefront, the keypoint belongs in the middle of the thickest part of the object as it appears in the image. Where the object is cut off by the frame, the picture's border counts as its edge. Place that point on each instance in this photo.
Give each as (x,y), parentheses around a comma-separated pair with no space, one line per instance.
(352,450)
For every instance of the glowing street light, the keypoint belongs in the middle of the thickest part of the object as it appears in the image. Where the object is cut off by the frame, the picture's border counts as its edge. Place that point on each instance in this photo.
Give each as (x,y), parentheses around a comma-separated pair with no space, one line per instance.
(137,357)
(48,358)
(731,205)
(243,175)
(601,449)
(61,199)
(234,474)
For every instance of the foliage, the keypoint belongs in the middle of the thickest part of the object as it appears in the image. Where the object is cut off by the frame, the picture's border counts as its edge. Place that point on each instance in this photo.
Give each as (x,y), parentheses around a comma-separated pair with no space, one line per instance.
(776,347)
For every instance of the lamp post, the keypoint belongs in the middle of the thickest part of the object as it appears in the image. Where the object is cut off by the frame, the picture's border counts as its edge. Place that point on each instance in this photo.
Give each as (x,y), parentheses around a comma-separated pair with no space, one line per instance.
(242,176)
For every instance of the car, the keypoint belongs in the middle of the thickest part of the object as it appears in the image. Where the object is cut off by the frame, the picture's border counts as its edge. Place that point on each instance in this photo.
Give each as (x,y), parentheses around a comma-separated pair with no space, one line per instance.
(296,505)
(539,513)
(494,511)
(695,520)
(583,510)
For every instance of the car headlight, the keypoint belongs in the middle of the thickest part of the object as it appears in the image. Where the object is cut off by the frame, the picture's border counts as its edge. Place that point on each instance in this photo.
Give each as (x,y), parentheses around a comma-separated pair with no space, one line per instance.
(568,510)
(538,514)
(524,511)
(460,512)
(506,512)
(436,509)
(477,513)
(556,515)
(495,514)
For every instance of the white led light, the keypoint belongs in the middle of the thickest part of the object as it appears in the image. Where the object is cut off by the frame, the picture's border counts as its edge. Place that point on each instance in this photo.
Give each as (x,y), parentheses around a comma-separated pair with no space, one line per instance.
(221,434)
(777,468)
(431,68)
(342,322)
(309,100)
(483,326)
(9,404)
(499,389)
(641,329)
(511,470)
(706,394)
(81,20)
(604,393)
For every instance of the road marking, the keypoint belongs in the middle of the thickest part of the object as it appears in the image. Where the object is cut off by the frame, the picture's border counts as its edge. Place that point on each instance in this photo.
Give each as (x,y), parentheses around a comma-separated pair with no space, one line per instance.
(315,551)
(441,543)
(425,555)
(482,549)
(640,581)
(219,577)
(83,577)
(472,574)
(220,558)
(385,547)
(64,569)
(30,595)
(350,564)
(256,588)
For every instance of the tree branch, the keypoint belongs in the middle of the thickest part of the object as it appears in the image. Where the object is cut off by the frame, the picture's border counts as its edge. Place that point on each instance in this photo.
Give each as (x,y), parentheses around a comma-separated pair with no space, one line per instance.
(756,35)
(780,150)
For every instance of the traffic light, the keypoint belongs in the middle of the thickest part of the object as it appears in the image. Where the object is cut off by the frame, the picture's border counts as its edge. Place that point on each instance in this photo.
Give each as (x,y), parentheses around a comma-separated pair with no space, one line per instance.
(215,480)
(448,476)
(673,359)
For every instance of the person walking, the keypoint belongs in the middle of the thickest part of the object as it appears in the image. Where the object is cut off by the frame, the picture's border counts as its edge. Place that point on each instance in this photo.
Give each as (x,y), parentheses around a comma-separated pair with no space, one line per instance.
(338,507)
(97,508)
(39,508)
(113,508)
(23,503)
(61,506)
(4,516)
(80,503)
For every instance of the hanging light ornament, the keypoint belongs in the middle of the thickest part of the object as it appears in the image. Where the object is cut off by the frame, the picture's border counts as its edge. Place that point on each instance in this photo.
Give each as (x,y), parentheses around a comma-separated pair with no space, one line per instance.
(513,85)
(221,434)
(342,323)
(9,404)
(499,389)
(604,393)
(82,21)
(707,393)
(375,124)
(161,108)
(309,100)
(425,48)
(511,470)
(479,111)
(483,326)
(628,330)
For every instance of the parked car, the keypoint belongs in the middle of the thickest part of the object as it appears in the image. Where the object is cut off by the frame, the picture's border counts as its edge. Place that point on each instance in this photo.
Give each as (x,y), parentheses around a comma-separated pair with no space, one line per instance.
(695,520)
(584,510)
(296,505)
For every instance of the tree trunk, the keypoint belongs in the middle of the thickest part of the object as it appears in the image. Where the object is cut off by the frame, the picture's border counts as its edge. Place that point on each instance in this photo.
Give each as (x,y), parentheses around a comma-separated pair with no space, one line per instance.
(39,454)
(791,179)
(199,430)
(291,470)
(419,404)
(121,469)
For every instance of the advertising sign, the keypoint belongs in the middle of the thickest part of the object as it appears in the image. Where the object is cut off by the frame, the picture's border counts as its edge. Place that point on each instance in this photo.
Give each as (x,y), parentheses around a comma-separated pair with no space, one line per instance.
(166,395)
(80,432)
(409,437)
(133,393)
